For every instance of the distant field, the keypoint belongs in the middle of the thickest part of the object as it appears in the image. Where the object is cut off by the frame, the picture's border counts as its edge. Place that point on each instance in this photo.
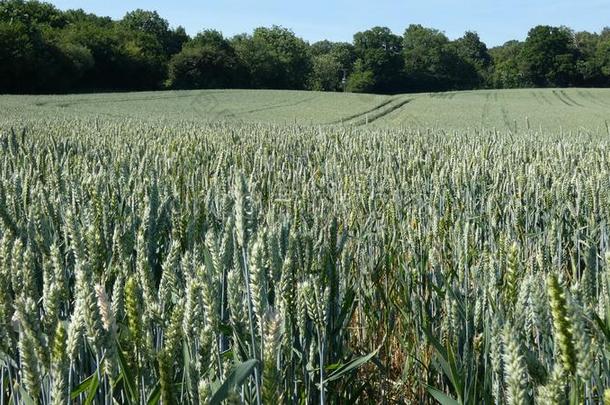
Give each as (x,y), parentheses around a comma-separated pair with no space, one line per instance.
(546,109)
(268,106)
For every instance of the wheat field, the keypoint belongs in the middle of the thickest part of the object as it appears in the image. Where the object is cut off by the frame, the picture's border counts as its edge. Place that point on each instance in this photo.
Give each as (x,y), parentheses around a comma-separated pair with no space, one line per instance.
(167,259)
(543,110)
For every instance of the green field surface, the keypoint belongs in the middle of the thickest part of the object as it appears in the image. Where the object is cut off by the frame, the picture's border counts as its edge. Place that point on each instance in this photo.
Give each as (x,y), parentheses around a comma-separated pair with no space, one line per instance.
(263,106)
(522,109)
(514,110)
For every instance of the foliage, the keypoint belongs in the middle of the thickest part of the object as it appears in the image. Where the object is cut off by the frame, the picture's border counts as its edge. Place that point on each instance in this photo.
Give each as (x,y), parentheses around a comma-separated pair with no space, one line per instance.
(331,62)
(275,58)
(326,73)
(549,57)
(507,72)
(208,61)
(425,55)
(378,53)
(473,54)
(47,50)
(361,81)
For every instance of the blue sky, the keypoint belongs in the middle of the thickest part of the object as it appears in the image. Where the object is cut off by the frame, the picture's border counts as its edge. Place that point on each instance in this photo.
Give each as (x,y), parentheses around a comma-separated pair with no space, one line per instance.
(495,21)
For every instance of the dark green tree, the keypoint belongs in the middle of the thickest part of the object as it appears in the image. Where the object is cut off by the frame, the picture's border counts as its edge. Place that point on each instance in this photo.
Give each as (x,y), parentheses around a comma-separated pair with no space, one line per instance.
(343,52)
(473,59)
(425,58)
(323,47)
(33,56)
(149,44)
(275,58)
(44,49)
(143,36)
(176,40)
(150,25)
(586,65)
(361,80)
(378,51)
(549,57)
(506,72)
(17,57)
(32,14)
(207,61)
(326,73)
(602,60)
(101,37)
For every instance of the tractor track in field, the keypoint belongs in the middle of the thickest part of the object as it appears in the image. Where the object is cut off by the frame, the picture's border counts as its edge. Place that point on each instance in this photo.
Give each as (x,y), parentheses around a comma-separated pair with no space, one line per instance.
(570,99)
(589,98)
(593,97)
(373,114)
(361,114)
(207,95)
(544,97)
(110,100)
(384,112)
(485,109)
(541,98)
(506,119)
(561,98)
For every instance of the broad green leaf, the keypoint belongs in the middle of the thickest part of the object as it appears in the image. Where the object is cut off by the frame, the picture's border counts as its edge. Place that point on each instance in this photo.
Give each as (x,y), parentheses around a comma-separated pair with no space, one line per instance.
(352,365)
(441,397)
(83,386)
(234,380)
(93,385)
(126,375)
(155,395)
(26,399)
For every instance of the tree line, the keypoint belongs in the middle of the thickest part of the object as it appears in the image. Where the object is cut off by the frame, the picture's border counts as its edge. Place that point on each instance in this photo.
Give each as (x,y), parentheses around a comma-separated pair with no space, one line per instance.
(47,50)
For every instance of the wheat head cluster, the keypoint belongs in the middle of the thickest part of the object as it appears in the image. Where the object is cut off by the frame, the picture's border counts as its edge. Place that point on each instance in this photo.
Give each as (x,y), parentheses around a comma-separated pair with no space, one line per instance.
(147,262)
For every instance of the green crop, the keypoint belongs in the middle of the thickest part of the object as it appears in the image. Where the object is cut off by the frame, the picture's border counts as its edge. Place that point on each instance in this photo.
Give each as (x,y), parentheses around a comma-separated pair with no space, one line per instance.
(164,260)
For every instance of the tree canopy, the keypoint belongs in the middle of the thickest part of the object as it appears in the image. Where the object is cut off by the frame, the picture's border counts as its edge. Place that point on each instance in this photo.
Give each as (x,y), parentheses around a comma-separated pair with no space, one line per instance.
(47,50)
(207,61)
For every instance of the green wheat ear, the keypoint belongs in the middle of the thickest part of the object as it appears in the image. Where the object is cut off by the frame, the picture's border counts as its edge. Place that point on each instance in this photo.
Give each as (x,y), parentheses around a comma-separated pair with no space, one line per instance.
(561,324)
(514,369)
(553,392)
(59,367)
(164,361)
(272,340)
(132,310)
